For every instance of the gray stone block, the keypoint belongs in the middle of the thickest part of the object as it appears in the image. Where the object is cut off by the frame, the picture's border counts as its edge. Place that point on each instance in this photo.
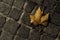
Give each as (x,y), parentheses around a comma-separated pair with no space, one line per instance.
(49,5)
(57,8)
(55,15)
(2,21)
(23,31)
(30,6)
(46,37)
(15,13)
(6,36)
(55,18)
(26,19)
(34,35)
(59,36)
(19,3)
(4,8)
(52,30)
(37,1)
(11,26)
(8,2)
(19,38)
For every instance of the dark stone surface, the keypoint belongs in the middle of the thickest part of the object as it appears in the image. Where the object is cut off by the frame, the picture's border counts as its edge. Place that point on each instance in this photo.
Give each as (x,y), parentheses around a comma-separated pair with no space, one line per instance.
(57,8)
(53,7)
(46,37)
(19,38)
(34,35)
(55,18)
(15,13)
(37,1)
(4,8)
(23,31)
(59,36)
(52,30)
(30,6)
(2,21)
(6,36)
(49,5)
(11,29)
(19,3)
(11,26)
(8,2)
(26,19)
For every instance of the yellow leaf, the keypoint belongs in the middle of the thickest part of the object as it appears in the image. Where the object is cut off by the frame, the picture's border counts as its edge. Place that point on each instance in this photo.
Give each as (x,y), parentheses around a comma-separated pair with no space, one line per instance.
(44,18)
(37,18)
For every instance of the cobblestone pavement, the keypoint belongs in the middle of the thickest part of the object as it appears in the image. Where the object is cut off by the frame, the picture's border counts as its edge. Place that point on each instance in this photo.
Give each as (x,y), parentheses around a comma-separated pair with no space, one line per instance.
(15,22)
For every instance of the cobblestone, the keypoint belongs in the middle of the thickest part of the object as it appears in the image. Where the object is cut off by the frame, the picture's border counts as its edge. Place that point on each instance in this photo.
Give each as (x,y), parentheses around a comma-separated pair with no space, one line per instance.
(19,38)
(35,35)
(8,2)
(19,3)
(29,6)
(52,30)
(15,13)
(2,21)
(12,12)
(4,8)
(55,18)
(11,26)
(23,31)
(46,37)
(6,36)
(37,1)
(59,36)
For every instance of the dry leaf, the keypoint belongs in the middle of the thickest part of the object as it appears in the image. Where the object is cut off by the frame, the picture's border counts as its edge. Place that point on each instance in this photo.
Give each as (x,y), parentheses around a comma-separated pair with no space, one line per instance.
(38,18)
(44,19)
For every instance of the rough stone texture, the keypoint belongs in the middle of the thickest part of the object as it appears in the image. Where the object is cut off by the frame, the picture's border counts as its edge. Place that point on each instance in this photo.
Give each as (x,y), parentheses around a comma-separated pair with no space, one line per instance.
(26,19)
(49,3)
(6,36)
(57,8)
(59,36)
(19,38)
(8,2)
(48,6)
(55,18)
(46,37)
(11,26)
(11,30)
(38,28)
(52,30)
(23,31)
(2,21)
(29,6)
(37,1)
(4,8)
(15,13)
(34,35)
(19,3)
